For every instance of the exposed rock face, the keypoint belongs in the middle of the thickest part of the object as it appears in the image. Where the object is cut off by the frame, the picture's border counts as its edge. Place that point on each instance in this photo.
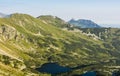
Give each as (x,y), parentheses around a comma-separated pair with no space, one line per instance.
(7,32)
(84,23)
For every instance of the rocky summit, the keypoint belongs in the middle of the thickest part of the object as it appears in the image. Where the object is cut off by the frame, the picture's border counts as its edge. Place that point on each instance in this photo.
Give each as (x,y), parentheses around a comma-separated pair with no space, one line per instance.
(82,23)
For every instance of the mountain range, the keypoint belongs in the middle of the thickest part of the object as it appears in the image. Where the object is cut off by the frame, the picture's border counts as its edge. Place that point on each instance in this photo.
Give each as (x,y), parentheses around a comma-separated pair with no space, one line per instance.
(111,25)
(82,23)
(27,43)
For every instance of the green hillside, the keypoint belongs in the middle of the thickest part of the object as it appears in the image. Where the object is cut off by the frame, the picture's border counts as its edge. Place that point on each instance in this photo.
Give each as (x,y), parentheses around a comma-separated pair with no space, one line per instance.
(27,42)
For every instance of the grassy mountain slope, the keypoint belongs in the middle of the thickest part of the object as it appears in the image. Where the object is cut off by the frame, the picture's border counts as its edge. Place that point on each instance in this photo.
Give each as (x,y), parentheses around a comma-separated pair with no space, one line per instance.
(110,36)
(27,42)
(54,20)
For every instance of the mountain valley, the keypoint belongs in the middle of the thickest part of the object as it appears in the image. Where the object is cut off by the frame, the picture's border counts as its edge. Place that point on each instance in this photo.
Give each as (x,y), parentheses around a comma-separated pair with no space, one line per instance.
(27,43)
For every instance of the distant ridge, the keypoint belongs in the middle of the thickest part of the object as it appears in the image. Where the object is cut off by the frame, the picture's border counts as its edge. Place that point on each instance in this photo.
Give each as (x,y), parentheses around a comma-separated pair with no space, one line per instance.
(83,23)
(111,25)
(2,15)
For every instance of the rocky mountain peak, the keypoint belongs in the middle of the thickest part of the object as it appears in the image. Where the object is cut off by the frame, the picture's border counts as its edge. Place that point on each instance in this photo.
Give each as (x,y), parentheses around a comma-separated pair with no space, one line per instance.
(83,23)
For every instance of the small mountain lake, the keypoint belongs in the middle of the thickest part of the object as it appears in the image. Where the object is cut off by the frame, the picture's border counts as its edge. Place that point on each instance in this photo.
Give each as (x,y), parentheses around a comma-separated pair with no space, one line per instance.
(53,68)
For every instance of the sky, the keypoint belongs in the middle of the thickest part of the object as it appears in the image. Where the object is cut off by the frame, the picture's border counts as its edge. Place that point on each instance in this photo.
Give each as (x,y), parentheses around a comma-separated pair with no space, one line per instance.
(100,11)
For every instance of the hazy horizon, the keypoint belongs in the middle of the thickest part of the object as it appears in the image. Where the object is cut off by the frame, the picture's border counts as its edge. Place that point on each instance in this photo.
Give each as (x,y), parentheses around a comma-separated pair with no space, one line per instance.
(100,11)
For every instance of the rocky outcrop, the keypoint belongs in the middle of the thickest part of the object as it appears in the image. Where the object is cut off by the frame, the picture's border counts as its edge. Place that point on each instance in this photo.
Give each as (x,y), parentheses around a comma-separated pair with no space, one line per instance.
(7,33)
